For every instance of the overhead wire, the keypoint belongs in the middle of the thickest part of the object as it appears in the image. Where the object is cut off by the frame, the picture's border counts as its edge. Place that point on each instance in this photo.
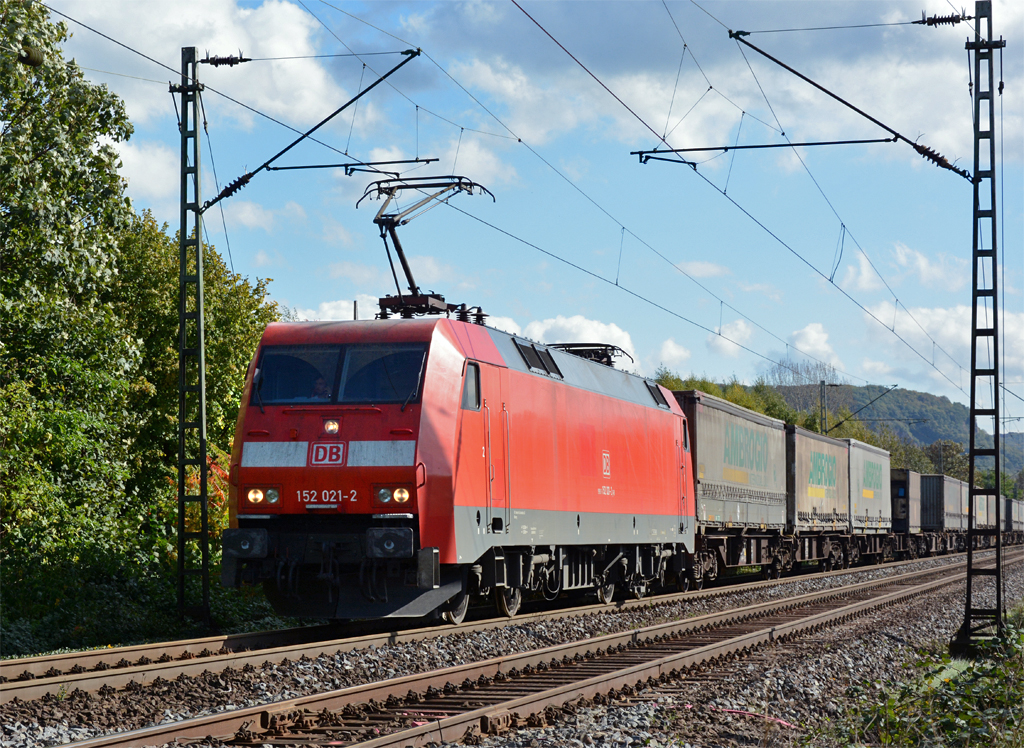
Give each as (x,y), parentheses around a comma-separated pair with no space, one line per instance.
(177,72)
(216,183)
(737,205)
(635,294)
(881,277)
(577,188)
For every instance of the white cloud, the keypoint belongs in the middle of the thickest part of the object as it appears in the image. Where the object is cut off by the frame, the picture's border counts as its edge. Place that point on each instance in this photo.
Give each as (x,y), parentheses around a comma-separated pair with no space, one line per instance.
(342,309)
(945,272)
(249,214)
(362,275)
(703,269)
(764,288)
(862,277)
(505,324)
(477,161)
(297,90)
(152,170)
(729,335)
(579,329)
(813,341)
(876,368)
(673,354)
(950,328)
(255,216)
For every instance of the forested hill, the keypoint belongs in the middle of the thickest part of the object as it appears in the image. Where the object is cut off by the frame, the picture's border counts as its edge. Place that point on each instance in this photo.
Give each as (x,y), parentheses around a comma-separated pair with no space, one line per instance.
(920,416)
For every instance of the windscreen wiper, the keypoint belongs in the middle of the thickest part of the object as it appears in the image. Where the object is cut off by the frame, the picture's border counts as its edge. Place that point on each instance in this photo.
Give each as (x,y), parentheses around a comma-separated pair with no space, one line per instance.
(257,382)
(415,389)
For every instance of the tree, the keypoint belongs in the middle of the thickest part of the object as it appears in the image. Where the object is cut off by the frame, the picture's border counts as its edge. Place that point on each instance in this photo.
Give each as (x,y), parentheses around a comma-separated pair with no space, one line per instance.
(88,360)
(949,458)
(66,362)
(799,382)
(235,314)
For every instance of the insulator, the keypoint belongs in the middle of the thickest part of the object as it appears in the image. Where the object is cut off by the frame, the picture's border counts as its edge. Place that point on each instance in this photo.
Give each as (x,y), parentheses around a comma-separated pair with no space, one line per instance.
(229,60)
(951,20)
(31,56)
(235,186)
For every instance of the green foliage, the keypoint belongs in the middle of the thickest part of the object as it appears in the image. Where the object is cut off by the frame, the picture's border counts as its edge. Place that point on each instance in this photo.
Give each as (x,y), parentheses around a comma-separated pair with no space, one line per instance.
(949,458)
(88,367)
(235,314)
(949,704)
(66,360)
(904,452)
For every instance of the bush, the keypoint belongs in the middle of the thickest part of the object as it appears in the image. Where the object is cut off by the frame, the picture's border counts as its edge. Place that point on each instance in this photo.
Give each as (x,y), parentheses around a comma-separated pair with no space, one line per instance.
(950,703)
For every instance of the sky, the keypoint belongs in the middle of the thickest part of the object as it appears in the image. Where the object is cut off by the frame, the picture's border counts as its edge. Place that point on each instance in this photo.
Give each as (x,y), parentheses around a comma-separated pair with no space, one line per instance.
(855,255)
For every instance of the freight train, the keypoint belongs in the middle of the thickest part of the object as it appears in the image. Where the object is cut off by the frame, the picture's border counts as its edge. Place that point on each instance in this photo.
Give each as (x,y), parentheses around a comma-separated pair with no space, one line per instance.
(403,467)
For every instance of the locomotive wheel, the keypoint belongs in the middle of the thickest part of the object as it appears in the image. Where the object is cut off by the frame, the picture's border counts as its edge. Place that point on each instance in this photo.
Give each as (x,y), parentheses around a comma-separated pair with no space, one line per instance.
(606,593)
(454,611)
(508,600)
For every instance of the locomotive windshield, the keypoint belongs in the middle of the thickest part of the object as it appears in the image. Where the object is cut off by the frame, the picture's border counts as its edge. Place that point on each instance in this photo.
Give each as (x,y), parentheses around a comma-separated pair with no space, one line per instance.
(339,374)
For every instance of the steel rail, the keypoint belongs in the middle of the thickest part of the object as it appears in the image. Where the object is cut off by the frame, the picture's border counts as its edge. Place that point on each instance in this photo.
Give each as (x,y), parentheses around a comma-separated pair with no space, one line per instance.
(168,660)
(454,727)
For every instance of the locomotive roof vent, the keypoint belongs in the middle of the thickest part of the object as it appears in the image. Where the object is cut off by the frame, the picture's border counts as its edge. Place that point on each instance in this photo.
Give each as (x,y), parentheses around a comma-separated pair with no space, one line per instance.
(601,353)
(539,359)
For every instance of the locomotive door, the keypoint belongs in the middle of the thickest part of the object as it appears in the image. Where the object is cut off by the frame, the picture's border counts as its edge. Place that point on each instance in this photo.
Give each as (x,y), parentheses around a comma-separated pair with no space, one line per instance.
(682,455)
(493,389)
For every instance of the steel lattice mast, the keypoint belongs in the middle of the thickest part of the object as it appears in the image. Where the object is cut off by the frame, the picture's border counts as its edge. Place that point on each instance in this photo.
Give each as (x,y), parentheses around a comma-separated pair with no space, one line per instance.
(983,607)
(192,468)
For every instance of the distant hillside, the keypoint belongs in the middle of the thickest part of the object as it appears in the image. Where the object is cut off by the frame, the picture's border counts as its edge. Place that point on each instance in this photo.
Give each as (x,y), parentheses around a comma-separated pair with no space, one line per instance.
(920,416)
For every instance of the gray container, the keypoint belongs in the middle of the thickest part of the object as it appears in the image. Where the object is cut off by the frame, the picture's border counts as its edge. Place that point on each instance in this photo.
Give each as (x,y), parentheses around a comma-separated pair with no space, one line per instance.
(941,507)
(817,482)
(870,494)
(1006,520)
(739,463)
(1018,515)
(905,490)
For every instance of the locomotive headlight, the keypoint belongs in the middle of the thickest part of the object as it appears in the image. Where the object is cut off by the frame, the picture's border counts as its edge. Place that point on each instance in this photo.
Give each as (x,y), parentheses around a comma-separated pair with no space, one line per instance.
(384,495)
(331,427)
(273,495)
(255,495)
(401,495)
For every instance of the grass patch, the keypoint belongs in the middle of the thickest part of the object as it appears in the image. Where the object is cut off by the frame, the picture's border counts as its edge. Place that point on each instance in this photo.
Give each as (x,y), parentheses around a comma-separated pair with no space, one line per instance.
(955,703)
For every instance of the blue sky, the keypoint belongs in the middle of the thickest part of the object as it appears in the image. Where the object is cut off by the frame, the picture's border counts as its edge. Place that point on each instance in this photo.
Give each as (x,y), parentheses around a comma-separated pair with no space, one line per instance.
(496,100)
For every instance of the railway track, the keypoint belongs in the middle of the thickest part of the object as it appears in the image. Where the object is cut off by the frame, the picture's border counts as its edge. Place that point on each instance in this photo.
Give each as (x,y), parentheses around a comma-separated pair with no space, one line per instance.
(490,696)
(32,678)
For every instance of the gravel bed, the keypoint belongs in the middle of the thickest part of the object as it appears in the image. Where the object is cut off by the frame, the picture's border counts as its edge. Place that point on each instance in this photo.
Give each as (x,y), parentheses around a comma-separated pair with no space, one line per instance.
(67,717)
(776,697)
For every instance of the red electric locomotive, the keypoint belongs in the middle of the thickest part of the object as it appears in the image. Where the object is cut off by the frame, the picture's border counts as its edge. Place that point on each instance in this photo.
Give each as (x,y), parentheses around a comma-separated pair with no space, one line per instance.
(399,467)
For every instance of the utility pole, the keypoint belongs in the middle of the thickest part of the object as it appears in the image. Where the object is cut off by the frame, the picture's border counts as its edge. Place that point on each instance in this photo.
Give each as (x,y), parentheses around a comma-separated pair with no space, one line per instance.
(192,467)
(823,400)
(983,607)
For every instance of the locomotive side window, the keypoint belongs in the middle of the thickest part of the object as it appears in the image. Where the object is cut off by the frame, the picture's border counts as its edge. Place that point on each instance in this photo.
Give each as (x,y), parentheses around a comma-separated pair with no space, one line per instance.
(471,388)
(388,373)
(296,374)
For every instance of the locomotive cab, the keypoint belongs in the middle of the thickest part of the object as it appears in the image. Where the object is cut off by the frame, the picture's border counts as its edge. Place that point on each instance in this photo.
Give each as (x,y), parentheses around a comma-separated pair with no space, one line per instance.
(325,480)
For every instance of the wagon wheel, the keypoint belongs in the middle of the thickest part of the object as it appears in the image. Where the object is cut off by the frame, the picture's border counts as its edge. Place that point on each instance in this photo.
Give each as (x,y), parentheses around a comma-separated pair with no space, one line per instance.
(696,579)
(683,581)
(454,611)
(606,593)
(508,600)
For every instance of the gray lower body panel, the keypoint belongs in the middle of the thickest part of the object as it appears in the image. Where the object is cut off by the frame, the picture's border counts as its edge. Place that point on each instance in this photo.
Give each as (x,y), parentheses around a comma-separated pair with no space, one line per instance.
(539,527)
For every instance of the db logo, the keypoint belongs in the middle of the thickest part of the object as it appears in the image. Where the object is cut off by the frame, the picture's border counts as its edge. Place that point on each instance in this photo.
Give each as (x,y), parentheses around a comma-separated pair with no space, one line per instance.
(606,464)
(327,454)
